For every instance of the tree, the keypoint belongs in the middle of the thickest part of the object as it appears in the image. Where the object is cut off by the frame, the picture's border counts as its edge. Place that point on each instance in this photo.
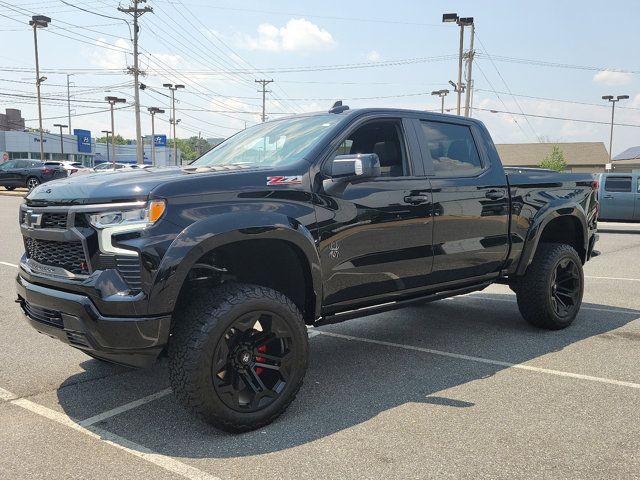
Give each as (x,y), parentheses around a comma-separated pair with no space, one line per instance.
(191,148)
(118,140)
(555,160)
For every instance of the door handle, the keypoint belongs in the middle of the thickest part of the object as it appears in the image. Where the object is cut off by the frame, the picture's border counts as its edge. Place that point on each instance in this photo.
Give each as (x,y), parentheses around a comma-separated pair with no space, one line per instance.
(608,197)
(495,194)
(416,199)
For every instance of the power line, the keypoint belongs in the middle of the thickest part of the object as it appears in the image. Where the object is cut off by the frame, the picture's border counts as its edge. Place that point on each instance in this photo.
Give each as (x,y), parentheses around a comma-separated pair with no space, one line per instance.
(551,117)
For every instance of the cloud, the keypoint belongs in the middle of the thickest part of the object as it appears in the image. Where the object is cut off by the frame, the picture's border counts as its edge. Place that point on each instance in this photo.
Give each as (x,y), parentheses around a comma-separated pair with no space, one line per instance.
(635,103)
(373,56)
(298,35)
(107,55)
(612,78)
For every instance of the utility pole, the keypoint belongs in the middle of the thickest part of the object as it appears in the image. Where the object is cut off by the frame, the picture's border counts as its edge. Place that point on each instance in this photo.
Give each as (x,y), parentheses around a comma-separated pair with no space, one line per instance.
(107,132)
(136,13)
(613,110)
(112,101)
(69,102)
(470,54)
(173,121)
(61,137)
(199,149)
(39,21)
(153,111)
(461,22)
(264,91)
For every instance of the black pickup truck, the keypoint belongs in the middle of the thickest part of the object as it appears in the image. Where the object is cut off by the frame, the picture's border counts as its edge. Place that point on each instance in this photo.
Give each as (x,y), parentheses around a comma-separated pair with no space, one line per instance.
(301,221)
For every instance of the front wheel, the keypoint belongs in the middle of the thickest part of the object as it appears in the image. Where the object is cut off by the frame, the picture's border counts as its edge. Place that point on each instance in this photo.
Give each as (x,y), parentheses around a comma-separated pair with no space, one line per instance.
(237,355)
(32,182)
(550,292)
(10,188)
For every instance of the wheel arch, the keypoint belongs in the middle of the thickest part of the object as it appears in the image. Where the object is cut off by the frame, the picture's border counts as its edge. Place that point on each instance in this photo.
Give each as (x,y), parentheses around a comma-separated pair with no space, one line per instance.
(253,244)
(566,225)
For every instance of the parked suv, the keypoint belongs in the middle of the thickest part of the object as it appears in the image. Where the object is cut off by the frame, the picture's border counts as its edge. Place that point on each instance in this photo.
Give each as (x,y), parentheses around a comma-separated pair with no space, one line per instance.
(28,173)
(307,220)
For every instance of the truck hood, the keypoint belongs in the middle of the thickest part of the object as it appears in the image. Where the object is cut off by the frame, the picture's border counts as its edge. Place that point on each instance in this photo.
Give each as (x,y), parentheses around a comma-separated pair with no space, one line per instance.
(118,186)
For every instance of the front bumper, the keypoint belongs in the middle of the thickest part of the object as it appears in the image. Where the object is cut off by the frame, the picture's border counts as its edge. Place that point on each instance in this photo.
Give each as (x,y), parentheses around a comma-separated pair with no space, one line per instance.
(73,319)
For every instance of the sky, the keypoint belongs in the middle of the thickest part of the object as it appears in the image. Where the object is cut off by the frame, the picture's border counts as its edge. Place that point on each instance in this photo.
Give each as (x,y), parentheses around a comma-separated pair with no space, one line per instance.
(533,59)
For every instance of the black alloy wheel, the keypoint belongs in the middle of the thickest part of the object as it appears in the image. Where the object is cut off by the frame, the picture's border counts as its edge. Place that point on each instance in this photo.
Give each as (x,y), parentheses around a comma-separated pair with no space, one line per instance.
(565,287)
(252,362)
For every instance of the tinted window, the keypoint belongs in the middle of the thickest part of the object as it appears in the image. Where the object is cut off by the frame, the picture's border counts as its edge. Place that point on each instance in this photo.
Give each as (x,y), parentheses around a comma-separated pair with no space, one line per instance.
(8,165)
(617,184)
(452,149)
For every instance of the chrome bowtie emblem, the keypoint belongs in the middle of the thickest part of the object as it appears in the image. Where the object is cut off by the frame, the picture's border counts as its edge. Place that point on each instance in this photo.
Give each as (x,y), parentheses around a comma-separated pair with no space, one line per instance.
(32,220)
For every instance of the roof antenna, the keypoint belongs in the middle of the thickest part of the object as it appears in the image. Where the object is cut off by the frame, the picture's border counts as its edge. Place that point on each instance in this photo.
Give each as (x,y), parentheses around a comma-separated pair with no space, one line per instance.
(338,107)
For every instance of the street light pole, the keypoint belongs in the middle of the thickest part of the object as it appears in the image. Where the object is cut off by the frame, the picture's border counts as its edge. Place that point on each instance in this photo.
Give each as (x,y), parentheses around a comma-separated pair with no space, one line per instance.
(61,138)
(613,110)
(173,120)
(112,101)
(39,21)
(461,22)
(441,94)
(107,132)
(467,100)
(153,111)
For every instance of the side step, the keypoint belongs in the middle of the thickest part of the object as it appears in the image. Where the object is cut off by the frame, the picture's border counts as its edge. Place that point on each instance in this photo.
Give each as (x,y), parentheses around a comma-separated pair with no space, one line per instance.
(384,307)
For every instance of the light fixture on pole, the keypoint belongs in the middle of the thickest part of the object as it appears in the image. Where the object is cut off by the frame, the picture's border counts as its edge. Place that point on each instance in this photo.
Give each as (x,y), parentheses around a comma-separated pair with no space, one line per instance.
(613,101)
(461,22)
(39,21)
(153,111)
(112,101)
(441,94)
(172,120)
(61,137)
(107,132)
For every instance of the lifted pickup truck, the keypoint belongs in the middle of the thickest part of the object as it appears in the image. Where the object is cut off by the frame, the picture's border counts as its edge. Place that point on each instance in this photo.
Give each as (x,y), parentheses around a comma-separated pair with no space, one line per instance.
(301,221)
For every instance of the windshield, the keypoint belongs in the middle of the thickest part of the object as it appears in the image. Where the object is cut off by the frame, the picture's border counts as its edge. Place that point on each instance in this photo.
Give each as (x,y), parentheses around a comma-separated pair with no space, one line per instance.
(278,143)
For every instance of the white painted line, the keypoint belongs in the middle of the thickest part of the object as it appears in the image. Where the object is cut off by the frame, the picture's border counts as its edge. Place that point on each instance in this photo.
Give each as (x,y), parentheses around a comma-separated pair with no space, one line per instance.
(124,408)
(459,356)
(595,309)
(6,395)
(167,463)
(614,278)
(9,264)
(313,333)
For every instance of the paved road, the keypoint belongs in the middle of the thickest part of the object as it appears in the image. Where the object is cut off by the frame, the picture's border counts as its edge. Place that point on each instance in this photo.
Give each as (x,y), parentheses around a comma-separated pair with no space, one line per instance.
(461,388)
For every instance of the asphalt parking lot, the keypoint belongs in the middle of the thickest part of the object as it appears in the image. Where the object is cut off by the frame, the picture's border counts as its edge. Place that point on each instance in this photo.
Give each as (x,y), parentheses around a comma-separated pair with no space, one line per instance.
(461,388)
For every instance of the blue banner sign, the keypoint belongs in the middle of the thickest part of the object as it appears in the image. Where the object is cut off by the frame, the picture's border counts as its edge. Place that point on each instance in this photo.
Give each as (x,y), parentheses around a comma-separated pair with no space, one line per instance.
(84,140)
(160,140)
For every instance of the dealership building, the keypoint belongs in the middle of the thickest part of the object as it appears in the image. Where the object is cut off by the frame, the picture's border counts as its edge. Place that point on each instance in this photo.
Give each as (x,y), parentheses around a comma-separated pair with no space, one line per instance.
(18,143)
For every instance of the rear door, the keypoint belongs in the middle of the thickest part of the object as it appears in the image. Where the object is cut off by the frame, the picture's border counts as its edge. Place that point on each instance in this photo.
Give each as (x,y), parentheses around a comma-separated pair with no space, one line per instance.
(470,201)
(618,198)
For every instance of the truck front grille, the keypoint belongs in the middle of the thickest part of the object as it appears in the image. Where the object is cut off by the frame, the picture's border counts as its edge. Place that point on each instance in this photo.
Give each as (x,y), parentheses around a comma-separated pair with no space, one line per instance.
(54,220)
(67,255)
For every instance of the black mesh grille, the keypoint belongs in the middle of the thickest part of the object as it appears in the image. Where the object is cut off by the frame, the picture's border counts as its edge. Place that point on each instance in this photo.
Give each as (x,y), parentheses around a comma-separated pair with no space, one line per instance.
(67,255)
(43,315)
(54,220)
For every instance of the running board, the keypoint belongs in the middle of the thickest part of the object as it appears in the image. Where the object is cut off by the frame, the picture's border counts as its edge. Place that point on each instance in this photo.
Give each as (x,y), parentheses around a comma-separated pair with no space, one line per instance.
(385,307)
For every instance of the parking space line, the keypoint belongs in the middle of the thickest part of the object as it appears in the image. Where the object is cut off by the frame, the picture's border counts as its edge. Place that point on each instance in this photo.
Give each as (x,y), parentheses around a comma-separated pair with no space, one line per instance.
(614,278)
(9,264)
(489,361)
(6,395)
(167,463)
(595,309)
(124,408)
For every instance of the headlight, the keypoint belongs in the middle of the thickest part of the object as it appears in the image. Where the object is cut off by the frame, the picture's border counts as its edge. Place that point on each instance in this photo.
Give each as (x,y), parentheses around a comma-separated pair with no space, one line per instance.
(141,217)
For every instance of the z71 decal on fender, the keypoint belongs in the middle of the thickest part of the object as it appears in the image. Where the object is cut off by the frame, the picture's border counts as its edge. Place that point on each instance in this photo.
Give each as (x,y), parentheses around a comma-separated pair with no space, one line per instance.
(283,180)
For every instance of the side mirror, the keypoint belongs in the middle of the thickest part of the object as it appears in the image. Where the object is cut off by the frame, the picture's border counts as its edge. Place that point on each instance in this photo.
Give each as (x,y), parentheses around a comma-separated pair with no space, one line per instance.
(352,167)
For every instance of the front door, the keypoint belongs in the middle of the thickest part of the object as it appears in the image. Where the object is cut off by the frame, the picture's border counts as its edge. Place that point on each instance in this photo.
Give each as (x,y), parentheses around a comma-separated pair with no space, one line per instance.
(636,215)
(618,198)
(375,234)
(470,201)
(10,173)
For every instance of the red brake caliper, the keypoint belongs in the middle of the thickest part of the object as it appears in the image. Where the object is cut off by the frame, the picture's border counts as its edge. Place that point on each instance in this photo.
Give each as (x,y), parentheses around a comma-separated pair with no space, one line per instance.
(261,349)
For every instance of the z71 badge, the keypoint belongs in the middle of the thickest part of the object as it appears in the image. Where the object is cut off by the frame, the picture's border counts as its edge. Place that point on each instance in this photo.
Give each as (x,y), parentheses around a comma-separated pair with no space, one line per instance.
(283,180)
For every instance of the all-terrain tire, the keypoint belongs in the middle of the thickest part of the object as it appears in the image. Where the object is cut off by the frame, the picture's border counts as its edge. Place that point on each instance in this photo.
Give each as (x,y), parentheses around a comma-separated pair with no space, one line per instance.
(201,322)
(537,290)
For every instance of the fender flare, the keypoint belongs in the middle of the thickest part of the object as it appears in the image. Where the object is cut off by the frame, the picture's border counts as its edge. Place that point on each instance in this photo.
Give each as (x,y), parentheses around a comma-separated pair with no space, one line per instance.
(543,217)
(210,233)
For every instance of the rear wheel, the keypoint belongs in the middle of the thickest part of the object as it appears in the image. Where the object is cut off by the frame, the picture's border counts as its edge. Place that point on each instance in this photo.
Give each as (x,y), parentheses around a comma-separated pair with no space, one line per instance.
(10,188)
(32,182)
(237,356)
(550,293)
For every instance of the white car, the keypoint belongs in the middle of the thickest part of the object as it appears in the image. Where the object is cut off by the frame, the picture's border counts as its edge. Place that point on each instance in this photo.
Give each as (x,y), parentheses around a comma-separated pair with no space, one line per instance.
(109,166)
(71,167)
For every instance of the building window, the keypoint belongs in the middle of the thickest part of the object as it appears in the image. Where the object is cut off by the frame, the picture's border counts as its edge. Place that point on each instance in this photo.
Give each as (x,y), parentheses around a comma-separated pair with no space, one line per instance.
(18,155)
